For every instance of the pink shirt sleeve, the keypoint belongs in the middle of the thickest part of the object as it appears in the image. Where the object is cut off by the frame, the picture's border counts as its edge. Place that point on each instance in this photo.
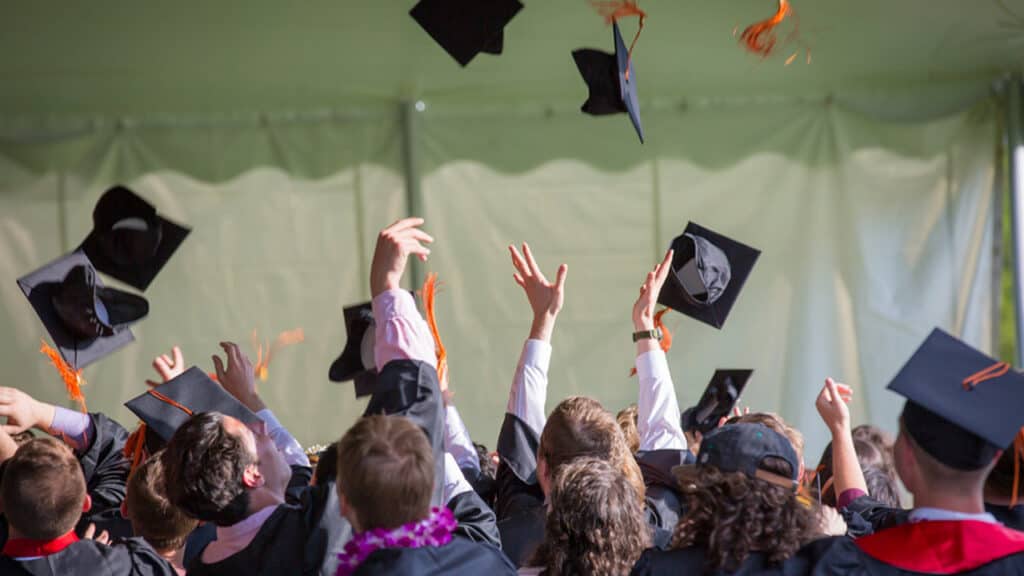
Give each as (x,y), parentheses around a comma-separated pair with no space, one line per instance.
(401,332)
(848,496)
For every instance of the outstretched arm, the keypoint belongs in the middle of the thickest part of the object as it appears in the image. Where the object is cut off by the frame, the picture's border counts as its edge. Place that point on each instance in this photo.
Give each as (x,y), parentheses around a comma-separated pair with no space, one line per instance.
(658,418)
(846,473)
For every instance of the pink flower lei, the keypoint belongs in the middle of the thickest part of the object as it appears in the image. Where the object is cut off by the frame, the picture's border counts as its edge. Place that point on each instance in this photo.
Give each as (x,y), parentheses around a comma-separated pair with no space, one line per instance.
(434,530)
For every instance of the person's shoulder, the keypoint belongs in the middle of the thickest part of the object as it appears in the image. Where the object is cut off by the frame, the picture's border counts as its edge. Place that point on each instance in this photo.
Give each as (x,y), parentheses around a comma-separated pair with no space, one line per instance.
(677,560)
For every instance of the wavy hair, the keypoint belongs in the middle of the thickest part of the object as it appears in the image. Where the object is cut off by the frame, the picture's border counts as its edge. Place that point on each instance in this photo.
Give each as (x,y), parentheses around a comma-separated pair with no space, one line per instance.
(595,523)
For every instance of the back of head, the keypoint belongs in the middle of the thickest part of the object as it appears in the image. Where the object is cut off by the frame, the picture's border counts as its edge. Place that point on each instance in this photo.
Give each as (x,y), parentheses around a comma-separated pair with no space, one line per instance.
(882,485)
(583,537)
(152,515)
(776,423)
(627,419)
(204,465)
(579,427)
(327,466)
(731,514)
(386,472)
(43,489)
(869,458)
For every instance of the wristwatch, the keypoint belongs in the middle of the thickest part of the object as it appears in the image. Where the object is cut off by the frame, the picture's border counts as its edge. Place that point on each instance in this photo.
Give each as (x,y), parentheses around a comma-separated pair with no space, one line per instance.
(647,335)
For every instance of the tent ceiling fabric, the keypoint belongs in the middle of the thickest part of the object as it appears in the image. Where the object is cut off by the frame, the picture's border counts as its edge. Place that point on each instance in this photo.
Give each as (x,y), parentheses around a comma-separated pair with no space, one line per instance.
(117,58)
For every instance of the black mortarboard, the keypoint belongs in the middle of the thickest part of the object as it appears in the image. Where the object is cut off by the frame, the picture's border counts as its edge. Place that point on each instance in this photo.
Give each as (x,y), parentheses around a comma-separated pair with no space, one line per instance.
(129,240)
(166,407)
(718,400)
(963,406)
(743,447)
(708,272)
(464,28)
(611,79)
(356,361)
(85,320)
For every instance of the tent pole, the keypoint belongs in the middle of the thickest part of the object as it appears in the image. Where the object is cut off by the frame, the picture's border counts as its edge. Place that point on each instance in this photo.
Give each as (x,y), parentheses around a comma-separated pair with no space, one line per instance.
(1015,149)
(410,169)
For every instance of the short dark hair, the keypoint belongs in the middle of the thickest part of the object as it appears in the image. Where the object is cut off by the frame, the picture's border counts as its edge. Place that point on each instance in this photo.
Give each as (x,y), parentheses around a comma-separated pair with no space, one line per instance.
(152,515)
(386,471)
(203,467)
(327,465)
(43,489)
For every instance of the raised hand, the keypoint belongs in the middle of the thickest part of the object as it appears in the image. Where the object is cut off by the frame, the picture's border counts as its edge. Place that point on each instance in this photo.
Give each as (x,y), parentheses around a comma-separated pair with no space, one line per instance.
(394,246)
(23,411)
(832,405)
(643,309)
(168,367)
(546,298)
(238,377)
(90,534)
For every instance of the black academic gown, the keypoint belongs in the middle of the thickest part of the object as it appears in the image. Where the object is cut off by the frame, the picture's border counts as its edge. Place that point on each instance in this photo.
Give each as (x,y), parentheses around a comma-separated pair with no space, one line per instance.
(460,556)
(691,560)
(520,500)
(132,557)
(929,547)
(297,539)
(1010,517)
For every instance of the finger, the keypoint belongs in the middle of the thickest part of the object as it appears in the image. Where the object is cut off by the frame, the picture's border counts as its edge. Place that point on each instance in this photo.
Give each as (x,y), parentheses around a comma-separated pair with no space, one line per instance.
(404,224)
(665,266)
(179,359)
(534,269)
(519,279)
(218,368)
(563,271)
(161,367)
(103,538)
(11,429)
(90,531)
(518,262)
(417,234)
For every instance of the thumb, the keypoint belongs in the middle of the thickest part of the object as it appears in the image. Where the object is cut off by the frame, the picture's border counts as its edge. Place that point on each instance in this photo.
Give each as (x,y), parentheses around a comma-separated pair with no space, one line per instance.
(563,271)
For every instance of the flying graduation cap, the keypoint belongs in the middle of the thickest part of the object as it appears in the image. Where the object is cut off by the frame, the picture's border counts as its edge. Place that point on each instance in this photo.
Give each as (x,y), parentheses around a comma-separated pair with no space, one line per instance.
(717,402)
(465,28)
(611,79)
(356,361)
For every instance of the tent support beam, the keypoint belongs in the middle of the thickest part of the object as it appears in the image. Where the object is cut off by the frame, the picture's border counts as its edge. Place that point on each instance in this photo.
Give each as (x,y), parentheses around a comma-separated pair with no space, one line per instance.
(1015,150)
(410,169)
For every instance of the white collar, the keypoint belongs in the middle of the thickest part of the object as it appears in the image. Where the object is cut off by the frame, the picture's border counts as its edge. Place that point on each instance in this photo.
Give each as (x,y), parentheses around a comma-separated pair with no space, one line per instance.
(926,514)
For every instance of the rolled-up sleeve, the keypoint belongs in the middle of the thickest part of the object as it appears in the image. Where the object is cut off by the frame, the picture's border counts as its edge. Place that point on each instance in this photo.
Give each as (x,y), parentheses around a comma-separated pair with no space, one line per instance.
(401,333)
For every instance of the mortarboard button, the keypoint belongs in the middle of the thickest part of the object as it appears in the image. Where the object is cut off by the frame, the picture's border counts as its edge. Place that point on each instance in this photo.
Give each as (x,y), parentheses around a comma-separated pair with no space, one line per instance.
(717,401)
(166,407)
(464,28)
(963,406)
(129,240)
(85,320)
(708,273)
(611,80)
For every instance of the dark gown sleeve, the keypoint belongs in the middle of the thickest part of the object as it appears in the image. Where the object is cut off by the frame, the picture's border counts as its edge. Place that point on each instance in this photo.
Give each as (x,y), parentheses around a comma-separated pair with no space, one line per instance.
(517,488)
(301,477)
(409,388)
(104,465)
(477,521)
(865,516)
(664,501)
(135,557)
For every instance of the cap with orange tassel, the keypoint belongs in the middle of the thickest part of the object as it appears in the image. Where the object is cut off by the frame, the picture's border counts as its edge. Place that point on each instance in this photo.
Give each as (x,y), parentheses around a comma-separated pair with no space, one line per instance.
(72,378)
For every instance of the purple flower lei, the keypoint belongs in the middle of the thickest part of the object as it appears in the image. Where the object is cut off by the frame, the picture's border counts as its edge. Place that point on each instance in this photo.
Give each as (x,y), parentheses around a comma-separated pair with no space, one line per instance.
(435,530)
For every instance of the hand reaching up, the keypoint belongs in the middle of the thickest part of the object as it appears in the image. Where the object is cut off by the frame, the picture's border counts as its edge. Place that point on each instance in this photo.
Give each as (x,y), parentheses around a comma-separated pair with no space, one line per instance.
(832,405)
(238,377)
(394,246)
(546,298)
(643,309)
(168,367)
(23,411)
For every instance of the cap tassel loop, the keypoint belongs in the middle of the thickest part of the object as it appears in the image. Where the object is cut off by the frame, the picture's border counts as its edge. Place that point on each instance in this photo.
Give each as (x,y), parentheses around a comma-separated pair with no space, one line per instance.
(994,371)
(134,447)
(72,378)
(612,11)
(666,335)
(429,294)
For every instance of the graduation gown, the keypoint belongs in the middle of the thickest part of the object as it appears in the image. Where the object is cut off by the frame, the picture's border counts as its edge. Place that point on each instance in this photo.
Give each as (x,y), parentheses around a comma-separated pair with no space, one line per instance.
(460,556)
(299,538)
(1010,517)
(132,557)
(929,547)
(520,500)
(691,560)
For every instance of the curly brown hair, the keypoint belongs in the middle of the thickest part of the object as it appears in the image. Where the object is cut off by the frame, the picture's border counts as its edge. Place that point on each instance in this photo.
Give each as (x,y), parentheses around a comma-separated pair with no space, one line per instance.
(582,537)
(731,515)
(627,419)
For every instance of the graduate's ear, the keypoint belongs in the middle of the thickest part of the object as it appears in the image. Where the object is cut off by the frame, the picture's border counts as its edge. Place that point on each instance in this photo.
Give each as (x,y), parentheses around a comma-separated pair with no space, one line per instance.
(252,478)
(86,504)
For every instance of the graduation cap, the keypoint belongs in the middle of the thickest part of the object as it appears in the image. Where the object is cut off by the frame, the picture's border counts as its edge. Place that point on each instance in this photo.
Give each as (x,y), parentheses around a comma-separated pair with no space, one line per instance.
(963,406)
(464,28)
(86,320)
(611,79)
(129,240)
(743,447)
(718,400)
(708,272)
(356,361)
(164,408)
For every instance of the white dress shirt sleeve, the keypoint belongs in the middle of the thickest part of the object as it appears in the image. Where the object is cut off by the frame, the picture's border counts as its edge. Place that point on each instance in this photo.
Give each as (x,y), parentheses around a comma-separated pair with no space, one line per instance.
(288,445)
(529,391)
(658,418)
(457,441)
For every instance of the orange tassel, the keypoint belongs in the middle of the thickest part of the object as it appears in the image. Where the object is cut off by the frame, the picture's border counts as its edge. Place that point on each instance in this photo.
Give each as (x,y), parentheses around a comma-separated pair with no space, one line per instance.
(72,378)
(283,339)
(429,293)
(134,448)
(612,11)
(666,335)
(759,37)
